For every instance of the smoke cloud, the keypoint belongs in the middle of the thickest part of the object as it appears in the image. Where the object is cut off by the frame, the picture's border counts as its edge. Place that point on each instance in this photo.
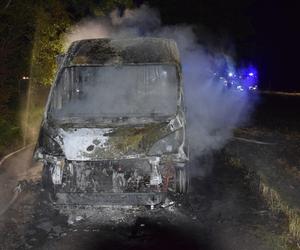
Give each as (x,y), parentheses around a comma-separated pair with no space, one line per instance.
(212,111)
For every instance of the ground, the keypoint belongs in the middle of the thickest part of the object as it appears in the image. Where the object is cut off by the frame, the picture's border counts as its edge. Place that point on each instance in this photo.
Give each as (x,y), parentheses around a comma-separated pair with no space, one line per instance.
(220,212)
(223,211)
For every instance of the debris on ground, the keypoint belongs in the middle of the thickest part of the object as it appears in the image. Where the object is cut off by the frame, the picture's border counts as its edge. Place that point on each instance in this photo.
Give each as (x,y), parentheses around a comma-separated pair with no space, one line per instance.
(168,203)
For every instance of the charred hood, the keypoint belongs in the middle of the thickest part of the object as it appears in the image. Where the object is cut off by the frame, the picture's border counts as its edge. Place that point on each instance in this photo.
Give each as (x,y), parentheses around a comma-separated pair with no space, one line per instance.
(111,143)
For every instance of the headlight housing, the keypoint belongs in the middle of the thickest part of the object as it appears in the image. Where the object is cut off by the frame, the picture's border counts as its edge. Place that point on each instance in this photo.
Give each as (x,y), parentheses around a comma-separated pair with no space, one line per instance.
(168,144)
(48,145)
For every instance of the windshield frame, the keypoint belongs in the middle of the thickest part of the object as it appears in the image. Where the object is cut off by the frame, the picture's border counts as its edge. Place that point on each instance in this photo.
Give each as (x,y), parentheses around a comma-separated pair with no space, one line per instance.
(118,119)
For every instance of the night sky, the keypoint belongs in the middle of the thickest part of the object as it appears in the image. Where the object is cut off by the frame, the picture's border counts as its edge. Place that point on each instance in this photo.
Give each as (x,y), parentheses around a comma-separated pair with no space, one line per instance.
(265,33)
(278,44)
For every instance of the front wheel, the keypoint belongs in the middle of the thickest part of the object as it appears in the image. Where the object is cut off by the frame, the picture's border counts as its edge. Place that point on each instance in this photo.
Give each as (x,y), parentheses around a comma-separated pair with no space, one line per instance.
(47,182)
(182,180)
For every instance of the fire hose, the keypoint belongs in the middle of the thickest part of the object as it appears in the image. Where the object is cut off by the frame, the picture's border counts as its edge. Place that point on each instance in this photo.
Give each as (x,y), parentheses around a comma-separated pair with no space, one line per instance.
(254,141)
(17,189)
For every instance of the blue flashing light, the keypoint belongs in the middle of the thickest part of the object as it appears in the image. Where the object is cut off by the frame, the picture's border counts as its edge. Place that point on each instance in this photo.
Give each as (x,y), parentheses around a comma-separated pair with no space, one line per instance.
(241,79)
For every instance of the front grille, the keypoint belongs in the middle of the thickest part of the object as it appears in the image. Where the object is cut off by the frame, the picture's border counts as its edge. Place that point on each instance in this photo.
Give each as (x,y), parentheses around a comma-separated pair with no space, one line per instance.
(107,176)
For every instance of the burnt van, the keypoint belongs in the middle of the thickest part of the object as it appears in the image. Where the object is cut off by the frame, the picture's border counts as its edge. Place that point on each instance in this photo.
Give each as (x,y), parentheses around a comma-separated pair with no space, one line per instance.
(113,130)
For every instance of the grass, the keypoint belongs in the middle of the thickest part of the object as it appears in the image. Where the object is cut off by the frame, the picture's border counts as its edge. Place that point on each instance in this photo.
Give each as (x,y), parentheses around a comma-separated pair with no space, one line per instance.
(275,201)
(275,241)
(277,204)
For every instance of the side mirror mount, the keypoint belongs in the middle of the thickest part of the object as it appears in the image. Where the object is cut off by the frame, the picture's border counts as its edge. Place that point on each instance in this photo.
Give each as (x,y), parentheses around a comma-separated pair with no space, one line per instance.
(60,59)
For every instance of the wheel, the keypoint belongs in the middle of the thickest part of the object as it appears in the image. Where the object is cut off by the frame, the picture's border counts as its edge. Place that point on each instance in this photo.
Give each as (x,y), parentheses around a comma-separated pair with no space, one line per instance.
(47,182)
(182,180)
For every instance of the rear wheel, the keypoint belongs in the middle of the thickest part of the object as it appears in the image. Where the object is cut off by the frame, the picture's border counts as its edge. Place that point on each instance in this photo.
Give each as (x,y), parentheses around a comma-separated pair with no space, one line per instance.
(182,180)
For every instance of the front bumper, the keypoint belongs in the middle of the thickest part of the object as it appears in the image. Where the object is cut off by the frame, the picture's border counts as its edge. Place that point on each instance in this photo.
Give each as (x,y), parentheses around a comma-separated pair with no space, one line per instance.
(143,181)
(116,182)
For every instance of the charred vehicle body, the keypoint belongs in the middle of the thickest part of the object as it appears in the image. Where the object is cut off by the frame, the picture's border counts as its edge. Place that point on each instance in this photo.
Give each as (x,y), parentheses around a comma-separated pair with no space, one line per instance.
(113,131)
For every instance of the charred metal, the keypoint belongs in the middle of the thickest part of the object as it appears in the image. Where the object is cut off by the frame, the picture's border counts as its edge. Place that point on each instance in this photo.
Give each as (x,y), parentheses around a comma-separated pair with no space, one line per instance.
(137,151)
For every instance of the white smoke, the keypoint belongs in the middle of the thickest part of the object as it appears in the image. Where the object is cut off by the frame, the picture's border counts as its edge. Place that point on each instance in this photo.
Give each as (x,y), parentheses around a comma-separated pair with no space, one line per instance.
(84,30)
(212,112)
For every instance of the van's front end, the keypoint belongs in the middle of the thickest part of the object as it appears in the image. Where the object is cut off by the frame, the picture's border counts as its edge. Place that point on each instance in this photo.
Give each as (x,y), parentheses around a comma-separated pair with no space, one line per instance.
(114,126)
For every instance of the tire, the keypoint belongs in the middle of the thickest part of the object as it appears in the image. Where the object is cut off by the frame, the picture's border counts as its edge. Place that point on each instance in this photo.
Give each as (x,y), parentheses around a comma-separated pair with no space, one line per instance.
(47,180)
(182,180)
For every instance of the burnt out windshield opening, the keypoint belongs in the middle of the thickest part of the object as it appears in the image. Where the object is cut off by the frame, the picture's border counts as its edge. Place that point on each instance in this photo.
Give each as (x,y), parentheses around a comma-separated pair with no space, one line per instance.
(115,91)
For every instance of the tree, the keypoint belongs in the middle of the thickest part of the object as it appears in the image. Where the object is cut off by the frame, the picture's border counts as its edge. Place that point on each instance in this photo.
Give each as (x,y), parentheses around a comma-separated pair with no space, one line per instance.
(51,22)
(31,34)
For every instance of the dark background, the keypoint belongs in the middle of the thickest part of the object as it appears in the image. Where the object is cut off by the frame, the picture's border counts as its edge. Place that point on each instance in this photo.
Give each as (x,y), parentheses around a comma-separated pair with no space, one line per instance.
(263,32)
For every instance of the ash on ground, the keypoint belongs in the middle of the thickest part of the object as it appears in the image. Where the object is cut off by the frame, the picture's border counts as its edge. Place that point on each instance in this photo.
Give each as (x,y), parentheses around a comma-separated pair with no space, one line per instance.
(220,212)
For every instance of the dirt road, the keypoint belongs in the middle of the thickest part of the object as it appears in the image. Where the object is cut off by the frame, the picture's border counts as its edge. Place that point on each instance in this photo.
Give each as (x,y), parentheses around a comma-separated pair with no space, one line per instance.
(221,212)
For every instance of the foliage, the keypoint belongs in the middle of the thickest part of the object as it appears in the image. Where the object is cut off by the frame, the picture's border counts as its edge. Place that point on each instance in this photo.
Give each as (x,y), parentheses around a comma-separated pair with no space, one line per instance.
(16,32)
(30,38)
(51,22)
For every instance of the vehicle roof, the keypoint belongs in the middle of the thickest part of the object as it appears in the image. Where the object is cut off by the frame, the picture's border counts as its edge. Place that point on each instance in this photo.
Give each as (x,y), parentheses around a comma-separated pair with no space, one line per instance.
(106,51)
